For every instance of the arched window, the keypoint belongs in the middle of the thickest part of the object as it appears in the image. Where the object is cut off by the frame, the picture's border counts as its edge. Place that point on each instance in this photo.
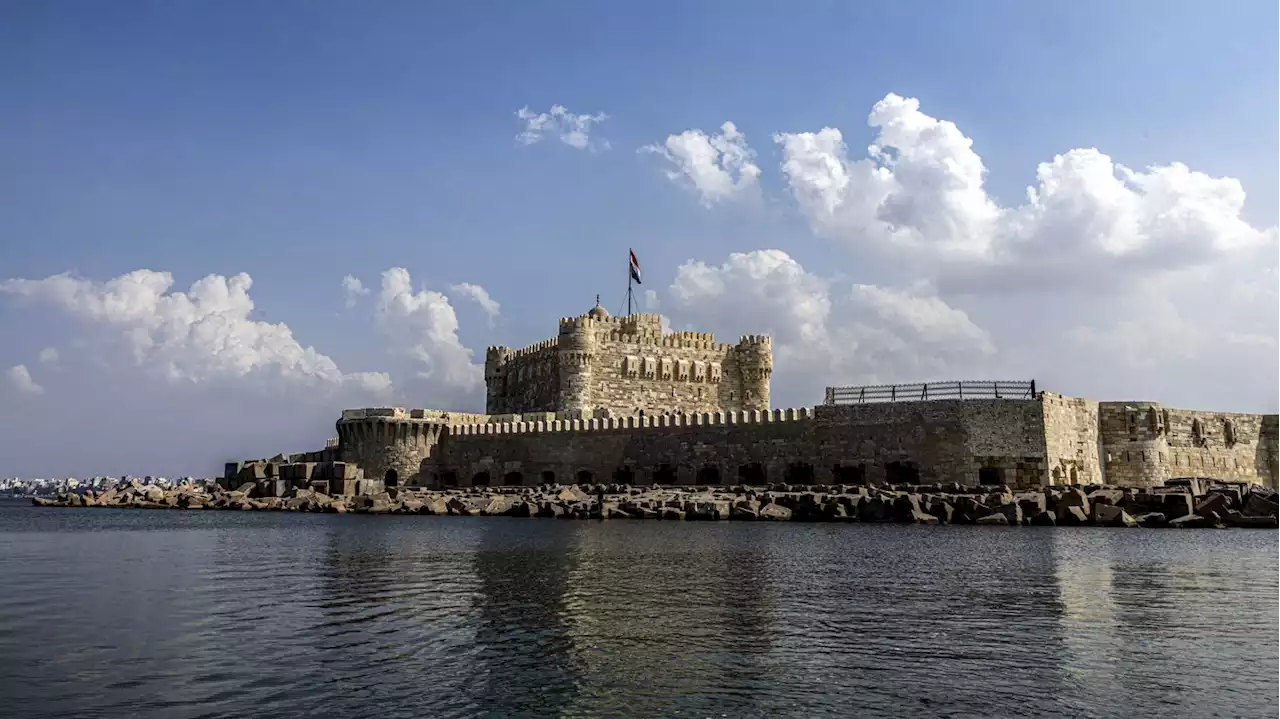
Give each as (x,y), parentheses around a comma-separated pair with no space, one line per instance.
(1197,433)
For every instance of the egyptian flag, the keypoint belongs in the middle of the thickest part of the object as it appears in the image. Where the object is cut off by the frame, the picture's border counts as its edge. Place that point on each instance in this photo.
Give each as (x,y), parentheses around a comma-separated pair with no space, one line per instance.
(635,267)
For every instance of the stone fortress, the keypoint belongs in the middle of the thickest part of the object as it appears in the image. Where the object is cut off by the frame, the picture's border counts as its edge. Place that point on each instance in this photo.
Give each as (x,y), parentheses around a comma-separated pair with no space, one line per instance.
(614,399)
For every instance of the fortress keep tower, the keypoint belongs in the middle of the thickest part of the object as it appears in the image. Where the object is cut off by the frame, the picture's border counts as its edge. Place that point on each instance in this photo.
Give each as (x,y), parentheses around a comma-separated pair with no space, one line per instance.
(600,366)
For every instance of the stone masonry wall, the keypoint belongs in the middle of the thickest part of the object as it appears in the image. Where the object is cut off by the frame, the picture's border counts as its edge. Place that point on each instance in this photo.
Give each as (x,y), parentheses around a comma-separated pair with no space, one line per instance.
(998,441)
(688,372)
(528,380)
(1071,439)
(601,366)
(1145,443)
(382,439)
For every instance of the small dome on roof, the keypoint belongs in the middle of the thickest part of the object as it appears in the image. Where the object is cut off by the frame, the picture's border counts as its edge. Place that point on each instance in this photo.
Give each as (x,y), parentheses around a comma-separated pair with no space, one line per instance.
(598,312)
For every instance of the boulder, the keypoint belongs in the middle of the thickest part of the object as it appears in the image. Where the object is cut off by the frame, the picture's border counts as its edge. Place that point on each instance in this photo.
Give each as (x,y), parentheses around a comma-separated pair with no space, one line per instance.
(1248,522)
(1152,519)
(497,505)
(1215,504)
(1108,515)
(1194,521)
(1031,503)
(919,517)
(1072,516)
(671,513)
(1047,518)
(1176,504)
(1011,512)
(941,510)
(775,512)
(874,509)
(1106,496)
(1258,506)
(1072,497)
(996,518)
(905,507)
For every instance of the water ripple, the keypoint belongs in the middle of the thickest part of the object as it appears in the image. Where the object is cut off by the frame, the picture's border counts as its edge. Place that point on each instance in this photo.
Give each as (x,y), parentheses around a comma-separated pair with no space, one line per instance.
(108,613)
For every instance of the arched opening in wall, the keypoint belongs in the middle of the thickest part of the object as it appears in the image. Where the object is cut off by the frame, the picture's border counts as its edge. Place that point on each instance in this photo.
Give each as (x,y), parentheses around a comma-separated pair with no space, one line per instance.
(993,475)
(847,474)
(906,473)
(449,479)
(513,479)
(752,474)
(1075,478)
(480,479)
(798,473)
(1229,432)
(548,477)
(1197,433)
(1057,475)
(664,474)
(391,478)
(710,474)
(624,475)
(585,477)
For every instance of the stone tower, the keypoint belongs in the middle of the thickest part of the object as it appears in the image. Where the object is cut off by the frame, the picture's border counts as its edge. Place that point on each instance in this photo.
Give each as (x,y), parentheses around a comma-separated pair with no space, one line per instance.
(754,355)
(577,353)
(494,374)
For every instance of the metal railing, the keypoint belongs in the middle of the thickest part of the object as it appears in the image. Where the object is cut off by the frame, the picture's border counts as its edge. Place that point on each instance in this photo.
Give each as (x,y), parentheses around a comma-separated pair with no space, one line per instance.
(924,391)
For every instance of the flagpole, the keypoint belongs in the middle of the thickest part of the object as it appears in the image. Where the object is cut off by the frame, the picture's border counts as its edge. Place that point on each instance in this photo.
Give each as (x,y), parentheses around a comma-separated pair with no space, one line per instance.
(629,279)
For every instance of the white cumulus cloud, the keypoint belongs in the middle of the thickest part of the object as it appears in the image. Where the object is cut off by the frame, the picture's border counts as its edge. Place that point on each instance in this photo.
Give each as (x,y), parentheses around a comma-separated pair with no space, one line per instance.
(480,296)
(423,326)
(200,335)
(20,379)
(919,193)
(353,289)
(49,355)
(718,167)
(826,332)
(571,129)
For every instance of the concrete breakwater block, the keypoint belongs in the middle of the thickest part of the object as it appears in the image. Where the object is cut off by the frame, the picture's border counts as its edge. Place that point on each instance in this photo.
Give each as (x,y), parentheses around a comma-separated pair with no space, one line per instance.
(1052,506)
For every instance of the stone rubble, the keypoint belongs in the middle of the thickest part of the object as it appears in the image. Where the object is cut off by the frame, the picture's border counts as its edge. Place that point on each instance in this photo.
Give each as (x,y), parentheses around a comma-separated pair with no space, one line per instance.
(1220,505)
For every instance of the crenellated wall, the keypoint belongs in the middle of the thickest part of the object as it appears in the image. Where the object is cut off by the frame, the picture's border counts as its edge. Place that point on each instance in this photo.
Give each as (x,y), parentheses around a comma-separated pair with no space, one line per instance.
(385,439)
(997,441)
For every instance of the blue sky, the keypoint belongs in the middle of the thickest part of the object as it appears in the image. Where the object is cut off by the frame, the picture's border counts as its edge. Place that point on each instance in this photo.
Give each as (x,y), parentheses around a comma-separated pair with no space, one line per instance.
(301,142)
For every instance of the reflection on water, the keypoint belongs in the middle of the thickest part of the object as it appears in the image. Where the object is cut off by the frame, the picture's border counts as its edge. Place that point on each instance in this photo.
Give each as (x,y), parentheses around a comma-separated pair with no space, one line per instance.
(189,614)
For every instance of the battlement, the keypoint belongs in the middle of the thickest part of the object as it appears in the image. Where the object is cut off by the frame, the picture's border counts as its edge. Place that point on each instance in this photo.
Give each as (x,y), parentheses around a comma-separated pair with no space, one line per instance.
(605,323)
(536,348)
(400,413)
(517,424)
(760,340)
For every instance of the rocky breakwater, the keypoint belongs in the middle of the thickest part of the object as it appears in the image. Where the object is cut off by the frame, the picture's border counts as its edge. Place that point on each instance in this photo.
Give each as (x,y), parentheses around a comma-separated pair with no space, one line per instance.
(1188,505)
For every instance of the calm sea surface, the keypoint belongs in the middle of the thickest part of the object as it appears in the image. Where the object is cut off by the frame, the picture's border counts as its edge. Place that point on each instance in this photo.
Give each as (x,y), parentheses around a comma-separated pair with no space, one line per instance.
(107,613)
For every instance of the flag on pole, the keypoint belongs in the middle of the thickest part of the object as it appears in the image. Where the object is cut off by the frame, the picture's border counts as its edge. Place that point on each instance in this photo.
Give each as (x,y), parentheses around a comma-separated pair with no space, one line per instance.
(635,267)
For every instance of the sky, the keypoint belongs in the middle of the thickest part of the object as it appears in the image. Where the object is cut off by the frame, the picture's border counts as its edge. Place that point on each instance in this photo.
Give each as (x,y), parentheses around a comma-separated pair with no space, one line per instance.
(223,222)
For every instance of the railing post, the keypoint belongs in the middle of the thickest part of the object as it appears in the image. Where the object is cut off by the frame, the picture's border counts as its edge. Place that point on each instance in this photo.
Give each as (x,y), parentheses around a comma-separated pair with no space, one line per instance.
(960,389)
(893,393)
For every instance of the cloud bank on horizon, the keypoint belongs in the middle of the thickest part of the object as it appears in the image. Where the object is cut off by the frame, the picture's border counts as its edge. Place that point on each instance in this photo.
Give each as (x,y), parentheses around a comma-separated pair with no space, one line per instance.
(1104,277)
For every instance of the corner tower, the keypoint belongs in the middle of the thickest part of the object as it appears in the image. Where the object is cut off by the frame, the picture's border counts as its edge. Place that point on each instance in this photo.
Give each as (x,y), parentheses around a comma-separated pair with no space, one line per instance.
(576,353)
(754,355)
(495,379)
